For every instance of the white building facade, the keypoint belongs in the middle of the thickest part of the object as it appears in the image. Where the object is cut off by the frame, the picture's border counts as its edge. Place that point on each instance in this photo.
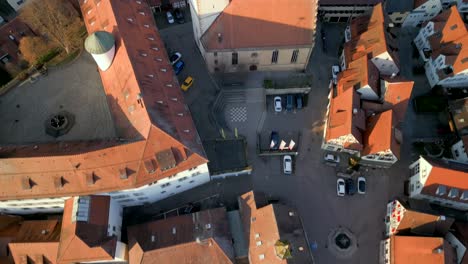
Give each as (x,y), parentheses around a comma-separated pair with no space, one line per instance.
(423,13)
(444,195)
(459,152)
(149,193)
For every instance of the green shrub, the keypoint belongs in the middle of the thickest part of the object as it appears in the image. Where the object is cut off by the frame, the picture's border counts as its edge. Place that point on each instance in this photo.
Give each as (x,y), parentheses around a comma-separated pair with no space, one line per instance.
(48,56)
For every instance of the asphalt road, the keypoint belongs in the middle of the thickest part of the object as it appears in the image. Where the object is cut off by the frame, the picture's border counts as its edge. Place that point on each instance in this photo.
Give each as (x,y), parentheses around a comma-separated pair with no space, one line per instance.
(312,187)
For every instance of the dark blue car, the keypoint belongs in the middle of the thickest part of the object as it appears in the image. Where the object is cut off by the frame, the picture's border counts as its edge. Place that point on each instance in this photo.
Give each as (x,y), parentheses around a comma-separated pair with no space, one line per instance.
(178,67)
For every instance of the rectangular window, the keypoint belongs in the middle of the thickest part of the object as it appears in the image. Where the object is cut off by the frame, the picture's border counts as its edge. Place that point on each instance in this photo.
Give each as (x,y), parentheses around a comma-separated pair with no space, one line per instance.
(274,57)
(294,56)
(234,58)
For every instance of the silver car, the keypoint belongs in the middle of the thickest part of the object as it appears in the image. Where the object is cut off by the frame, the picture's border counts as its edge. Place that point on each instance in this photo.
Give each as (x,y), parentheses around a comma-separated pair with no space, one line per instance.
(277,102)
(340,187)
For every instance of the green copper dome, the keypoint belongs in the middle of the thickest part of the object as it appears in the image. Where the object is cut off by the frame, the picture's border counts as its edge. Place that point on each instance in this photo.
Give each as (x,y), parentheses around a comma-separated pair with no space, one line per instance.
(99,42)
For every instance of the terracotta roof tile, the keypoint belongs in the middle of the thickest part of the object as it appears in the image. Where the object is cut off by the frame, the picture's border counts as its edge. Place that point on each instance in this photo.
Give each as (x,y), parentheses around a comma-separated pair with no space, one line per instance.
(379,136)
(368,37)
(201,237)
(41,252)
(411,222)
(159,121)
(84,241)
(37,240)
(265,226)
(259,23)
(420,250)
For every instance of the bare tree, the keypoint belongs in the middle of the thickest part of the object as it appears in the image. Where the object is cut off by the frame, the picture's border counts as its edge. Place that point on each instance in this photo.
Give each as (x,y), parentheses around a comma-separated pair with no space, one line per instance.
(57,20)
(32,48)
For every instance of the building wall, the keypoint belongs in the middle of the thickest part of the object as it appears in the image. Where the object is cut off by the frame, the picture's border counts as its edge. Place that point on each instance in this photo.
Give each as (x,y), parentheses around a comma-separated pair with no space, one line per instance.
(203,15)
(261,58)
(115,219)
(33,206)
(460,249)
(458,80)
(385,251)
(423,13)
(459,152)
(163,188)
(16,4)
(418,171)
(421,41)
(342,13)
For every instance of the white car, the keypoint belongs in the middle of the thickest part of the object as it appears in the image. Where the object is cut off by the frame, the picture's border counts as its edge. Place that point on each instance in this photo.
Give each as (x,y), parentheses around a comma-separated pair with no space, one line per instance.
(175,57)
(340,187)
(361,185)
(287,164)
(170,18)
(335,70)
(277,102)
(331,158)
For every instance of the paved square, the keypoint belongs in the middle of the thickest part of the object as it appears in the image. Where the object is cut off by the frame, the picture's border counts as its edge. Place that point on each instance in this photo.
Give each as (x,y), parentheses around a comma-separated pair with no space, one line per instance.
(238,114)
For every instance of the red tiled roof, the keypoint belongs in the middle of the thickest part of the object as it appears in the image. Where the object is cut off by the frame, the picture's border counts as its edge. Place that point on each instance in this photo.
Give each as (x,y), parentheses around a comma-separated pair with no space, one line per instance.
(342,121)
(380,135)
(348,2)
(82,241)
(36,240)
(449,174)
(265,226)
(397,94)
(420,250)
(201,237)
(158,121)
(262,23)
(368,37)
(41,252)
(415,222)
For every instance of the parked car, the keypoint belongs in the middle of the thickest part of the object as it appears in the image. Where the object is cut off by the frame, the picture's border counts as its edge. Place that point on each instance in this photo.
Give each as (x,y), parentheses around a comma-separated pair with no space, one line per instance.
(340,187)
(331,158)
(287,164)
(187,83)
(289,102)
(350,187)
(277,102)
(274,140)
(178,67)
(335,70)
(361,183)
(175,57)
(299,101)
(179,15)
(170,18)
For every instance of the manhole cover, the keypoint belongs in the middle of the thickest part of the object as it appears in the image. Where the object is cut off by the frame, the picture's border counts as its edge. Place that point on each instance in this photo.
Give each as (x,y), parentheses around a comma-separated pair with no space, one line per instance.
(342,241)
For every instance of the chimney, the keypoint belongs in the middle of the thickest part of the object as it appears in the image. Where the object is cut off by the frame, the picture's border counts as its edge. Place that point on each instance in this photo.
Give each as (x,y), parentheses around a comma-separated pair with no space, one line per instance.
(220,37)
(355,111)
(174,230)
(393,75)
(438,250)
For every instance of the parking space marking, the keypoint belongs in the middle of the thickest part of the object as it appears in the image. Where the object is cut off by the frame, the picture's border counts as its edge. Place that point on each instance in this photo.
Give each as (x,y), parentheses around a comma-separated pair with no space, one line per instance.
(238,114)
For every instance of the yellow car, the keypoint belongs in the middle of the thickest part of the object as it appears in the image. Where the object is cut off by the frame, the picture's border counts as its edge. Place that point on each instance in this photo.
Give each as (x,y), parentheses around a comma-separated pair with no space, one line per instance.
(187,83)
